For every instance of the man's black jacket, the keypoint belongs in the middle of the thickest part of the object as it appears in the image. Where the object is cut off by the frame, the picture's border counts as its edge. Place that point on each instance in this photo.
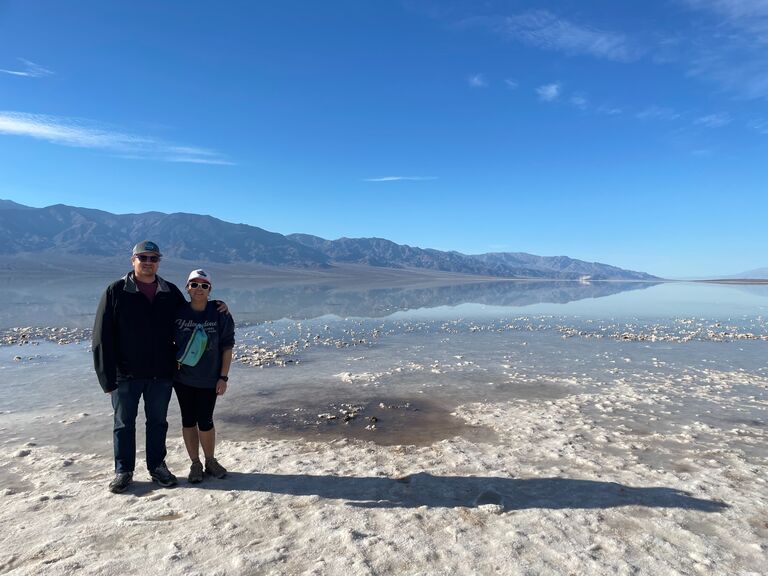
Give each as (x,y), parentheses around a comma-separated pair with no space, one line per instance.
(133,338)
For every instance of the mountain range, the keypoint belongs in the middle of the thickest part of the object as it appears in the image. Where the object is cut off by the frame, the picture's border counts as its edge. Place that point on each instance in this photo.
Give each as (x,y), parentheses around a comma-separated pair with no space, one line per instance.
(61,229)
(757,273)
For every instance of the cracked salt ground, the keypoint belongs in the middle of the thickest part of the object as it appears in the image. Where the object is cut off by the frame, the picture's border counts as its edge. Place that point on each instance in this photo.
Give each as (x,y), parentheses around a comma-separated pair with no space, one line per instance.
(542,499)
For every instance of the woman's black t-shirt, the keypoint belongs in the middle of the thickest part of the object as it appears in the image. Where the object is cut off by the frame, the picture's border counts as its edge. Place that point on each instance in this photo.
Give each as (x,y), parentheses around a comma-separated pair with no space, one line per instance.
(220,329)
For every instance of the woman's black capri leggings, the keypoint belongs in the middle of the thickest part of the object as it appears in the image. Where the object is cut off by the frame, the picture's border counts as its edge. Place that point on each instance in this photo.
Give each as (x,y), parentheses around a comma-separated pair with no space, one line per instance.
(196,406)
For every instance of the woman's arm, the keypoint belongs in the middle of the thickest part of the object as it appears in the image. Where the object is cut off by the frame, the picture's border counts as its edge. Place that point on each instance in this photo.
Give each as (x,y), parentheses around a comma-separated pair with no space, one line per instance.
(226,362)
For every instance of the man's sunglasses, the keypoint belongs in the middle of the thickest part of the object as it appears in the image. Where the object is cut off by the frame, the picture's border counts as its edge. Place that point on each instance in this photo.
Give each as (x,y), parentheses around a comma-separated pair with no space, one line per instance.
(145,258)
(203,285)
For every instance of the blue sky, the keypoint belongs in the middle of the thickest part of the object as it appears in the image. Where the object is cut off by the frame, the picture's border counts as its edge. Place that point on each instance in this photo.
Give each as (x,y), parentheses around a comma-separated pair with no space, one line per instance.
(630,133)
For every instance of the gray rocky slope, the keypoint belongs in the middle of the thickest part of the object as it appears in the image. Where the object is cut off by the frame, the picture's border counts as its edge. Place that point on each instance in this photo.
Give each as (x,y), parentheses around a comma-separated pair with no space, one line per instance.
(72,230)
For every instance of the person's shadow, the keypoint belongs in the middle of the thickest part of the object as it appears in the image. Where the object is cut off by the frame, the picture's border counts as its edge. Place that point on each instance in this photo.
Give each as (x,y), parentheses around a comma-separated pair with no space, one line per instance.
(424,489)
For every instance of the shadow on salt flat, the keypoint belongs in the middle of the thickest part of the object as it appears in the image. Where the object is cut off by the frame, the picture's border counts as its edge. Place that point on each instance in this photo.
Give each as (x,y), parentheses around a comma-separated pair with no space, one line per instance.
(424,489)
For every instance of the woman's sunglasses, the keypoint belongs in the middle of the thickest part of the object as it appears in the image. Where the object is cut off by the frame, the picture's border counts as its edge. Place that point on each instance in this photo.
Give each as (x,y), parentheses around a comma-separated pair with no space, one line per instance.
(145,258)
(203,285)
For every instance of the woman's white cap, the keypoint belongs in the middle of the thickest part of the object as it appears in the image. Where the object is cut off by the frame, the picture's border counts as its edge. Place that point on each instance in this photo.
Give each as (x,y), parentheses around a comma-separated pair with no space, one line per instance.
(199,274)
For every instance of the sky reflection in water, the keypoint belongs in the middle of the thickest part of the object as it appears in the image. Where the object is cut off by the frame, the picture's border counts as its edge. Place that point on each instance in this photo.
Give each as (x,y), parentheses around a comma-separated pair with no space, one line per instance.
(439,347)
(54,302)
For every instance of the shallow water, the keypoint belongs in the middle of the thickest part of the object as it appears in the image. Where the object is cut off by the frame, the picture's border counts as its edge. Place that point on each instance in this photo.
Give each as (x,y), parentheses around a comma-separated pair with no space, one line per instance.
(391,365)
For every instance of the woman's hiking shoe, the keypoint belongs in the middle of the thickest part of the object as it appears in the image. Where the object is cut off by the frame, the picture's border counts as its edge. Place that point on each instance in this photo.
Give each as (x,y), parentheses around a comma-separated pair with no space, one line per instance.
(195,473)
(215,469)
(163,476)
(120,482)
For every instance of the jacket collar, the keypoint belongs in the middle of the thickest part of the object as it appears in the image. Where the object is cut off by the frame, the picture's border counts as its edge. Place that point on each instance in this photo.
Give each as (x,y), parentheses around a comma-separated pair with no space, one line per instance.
(130,283)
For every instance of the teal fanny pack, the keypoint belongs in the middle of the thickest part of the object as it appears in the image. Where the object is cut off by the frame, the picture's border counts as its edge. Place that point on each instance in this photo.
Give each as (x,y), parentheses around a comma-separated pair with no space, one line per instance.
(196,346)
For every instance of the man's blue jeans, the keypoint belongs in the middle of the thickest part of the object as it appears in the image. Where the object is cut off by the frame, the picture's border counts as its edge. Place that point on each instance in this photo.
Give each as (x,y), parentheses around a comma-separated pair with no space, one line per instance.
(125,401)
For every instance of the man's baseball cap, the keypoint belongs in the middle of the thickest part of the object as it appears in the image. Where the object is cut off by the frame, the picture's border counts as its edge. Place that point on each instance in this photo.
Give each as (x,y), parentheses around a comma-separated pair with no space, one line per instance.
(146,246)
(199,274)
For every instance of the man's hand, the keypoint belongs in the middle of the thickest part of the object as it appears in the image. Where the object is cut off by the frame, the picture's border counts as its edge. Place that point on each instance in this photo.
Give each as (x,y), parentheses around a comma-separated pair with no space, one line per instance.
(221,387)
(222,307)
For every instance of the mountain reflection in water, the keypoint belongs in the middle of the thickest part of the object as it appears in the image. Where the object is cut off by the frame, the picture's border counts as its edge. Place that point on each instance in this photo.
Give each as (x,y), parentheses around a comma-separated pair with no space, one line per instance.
(59,302)
(299,302)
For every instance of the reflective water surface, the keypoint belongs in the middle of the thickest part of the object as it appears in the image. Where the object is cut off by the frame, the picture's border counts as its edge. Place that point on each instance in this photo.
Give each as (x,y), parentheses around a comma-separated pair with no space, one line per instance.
(391,364)
(71,301)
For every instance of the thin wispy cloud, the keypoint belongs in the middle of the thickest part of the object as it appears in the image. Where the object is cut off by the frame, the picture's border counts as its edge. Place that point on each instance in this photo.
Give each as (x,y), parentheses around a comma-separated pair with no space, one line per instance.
(579,101)
(713,120)
(477,81)
(549,92)
(727,46)
(609,110)
(732,47)
(759,125)
(87,134)
(657,113)
(400,178)
(28,70)
(543,29)
(737,69)
(511,84)
(751,15)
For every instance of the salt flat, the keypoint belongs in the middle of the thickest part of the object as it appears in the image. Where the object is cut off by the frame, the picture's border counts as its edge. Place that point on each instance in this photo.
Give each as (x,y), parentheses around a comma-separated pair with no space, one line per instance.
(558,493)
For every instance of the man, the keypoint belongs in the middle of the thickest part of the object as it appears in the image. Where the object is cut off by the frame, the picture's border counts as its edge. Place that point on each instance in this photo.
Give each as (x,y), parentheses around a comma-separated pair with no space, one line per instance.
(134,357)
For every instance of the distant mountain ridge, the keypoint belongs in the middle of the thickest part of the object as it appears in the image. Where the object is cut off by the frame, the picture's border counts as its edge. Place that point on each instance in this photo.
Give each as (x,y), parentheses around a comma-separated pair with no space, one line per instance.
(381,252)
(67,229)
(61,228)
(757,274)
(10,205)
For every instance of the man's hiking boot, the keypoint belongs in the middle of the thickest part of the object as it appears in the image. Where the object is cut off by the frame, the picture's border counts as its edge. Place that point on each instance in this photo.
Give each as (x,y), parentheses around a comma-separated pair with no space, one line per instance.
(163,476)
(195,472)
(120,482)
(215,469)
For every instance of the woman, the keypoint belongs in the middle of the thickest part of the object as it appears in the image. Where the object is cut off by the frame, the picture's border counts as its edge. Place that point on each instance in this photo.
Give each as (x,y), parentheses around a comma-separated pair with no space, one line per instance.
(204,340)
